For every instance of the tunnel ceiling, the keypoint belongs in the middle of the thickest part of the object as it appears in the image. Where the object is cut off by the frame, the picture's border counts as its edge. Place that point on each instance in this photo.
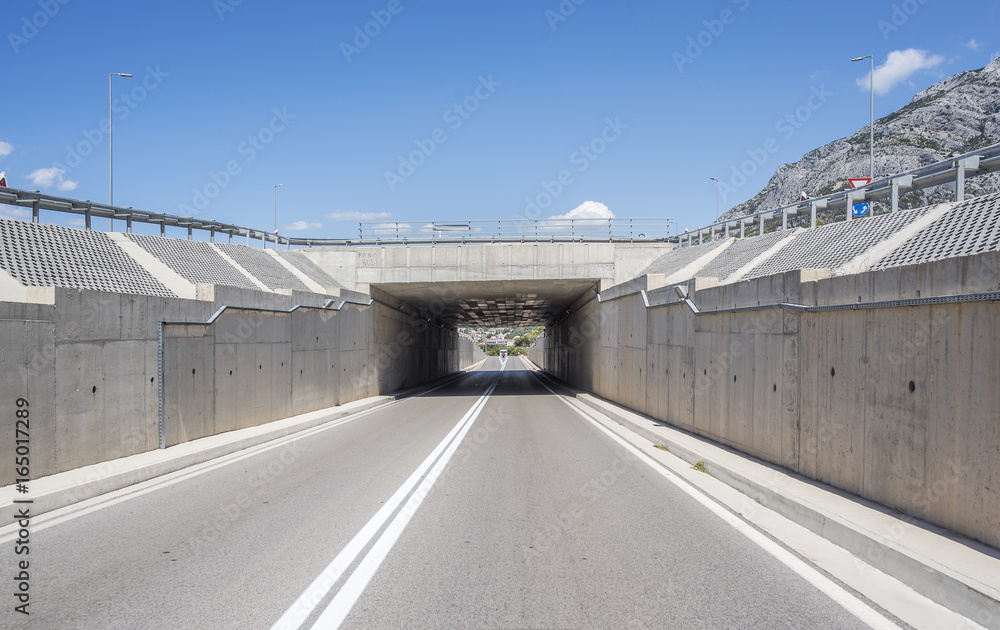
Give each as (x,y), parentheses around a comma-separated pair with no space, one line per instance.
(495,304)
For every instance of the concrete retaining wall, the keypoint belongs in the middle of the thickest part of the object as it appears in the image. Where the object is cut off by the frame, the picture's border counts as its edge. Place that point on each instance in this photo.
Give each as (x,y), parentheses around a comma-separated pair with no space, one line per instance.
(87,365)
(536,353)
(825,394)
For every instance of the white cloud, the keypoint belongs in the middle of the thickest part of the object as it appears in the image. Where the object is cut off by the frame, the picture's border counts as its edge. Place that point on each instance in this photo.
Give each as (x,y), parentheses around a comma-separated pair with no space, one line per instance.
(343,215)
(899,66)
(13,212)
(302,226)
(973,44)
(5,149)
(52,176)
(587,210)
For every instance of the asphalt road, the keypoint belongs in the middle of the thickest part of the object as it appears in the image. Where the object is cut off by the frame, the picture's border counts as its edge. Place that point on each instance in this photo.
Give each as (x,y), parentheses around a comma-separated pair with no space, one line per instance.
(537,520)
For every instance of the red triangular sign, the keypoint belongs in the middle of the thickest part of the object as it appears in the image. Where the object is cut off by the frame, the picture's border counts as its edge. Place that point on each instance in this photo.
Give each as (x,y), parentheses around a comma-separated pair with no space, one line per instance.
(859,181)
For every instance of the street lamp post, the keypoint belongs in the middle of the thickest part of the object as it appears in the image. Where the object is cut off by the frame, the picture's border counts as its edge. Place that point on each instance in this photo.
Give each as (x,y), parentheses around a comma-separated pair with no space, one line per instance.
(111,147)
(871,126)
(276,187)
(716,197)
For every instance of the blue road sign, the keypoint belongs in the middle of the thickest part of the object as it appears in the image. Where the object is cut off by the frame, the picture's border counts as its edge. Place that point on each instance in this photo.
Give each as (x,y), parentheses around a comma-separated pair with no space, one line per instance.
(860,209)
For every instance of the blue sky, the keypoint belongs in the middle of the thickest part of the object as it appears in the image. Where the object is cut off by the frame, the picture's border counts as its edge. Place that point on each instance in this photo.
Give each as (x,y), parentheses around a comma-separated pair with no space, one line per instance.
(451,109)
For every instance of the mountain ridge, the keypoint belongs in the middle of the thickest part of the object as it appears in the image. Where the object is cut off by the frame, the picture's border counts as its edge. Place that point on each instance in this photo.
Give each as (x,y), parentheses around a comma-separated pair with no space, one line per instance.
(954,116)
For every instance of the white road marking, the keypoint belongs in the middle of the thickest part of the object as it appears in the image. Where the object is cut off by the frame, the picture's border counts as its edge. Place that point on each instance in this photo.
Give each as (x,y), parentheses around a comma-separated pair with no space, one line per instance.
(76,510)
(348,595)
(300,610)
(828,587)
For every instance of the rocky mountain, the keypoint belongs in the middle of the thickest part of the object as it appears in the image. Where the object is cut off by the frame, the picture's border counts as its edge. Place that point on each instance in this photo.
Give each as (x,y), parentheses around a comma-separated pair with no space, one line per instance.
(959,114)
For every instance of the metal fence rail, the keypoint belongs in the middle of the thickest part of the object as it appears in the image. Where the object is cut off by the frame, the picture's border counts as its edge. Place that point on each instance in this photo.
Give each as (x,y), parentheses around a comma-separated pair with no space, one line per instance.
(580,230)
(955,169)
(370,233)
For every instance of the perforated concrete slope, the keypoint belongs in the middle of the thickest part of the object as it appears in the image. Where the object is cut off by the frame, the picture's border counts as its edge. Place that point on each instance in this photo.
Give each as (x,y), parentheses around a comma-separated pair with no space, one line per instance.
(830,246)
(971,227)
(679,258)
(740,253)
(305,265)
(39,255)
(263,267)
(195,261)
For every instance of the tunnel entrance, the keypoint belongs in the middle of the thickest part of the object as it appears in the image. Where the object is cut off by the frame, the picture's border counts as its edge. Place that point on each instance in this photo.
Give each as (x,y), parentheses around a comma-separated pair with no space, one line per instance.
(490,304)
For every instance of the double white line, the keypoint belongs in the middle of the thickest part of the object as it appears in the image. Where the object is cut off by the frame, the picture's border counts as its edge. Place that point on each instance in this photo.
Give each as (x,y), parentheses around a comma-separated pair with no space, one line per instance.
(337,610)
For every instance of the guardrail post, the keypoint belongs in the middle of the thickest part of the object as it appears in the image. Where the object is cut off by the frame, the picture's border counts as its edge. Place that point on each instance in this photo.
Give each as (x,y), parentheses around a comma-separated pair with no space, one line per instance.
(813,207)
(128,223)
(727,229)
(784,220)
(900,182)
(86,216)
(761,231)
(971,164)
(34,211)
(211,236)
(190,233)
(163,228)
(849,200)
(742,226)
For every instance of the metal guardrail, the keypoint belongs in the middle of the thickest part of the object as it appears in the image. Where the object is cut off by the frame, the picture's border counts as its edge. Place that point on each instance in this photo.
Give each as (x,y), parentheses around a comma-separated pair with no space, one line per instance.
(529,230)
(955,169)
(370,233)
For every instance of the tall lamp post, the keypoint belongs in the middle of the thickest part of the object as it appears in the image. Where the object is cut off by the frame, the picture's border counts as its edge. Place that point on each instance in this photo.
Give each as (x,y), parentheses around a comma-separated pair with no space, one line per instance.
(871,126)
(111,147)
(716,197)
(276,187)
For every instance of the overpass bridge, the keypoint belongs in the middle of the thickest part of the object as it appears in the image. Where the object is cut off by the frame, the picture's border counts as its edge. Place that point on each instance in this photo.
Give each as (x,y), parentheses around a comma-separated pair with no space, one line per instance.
(310,421)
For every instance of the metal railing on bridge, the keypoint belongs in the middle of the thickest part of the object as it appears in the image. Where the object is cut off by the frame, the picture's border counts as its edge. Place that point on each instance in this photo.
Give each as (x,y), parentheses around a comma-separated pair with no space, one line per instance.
(955,169)
(370,233)
(518,231)
(952,170)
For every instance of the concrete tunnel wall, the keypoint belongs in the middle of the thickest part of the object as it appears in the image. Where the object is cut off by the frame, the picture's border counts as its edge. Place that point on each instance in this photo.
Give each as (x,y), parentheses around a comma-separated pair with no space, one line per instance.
(87,364)
(824,394)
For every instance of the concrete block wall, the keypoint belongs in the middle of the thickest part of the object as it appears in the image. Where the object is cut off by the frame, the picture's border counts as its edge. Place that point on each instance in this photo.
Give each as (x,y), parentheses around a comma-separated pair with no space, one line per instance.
(87,364)
(825,394)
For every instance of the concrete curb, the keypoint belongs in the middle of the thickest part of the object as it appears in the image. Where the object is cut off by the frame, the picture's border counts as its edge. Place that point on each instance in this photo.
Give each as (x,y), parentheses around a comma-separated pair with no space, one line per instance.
(932,578)
(73,486)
